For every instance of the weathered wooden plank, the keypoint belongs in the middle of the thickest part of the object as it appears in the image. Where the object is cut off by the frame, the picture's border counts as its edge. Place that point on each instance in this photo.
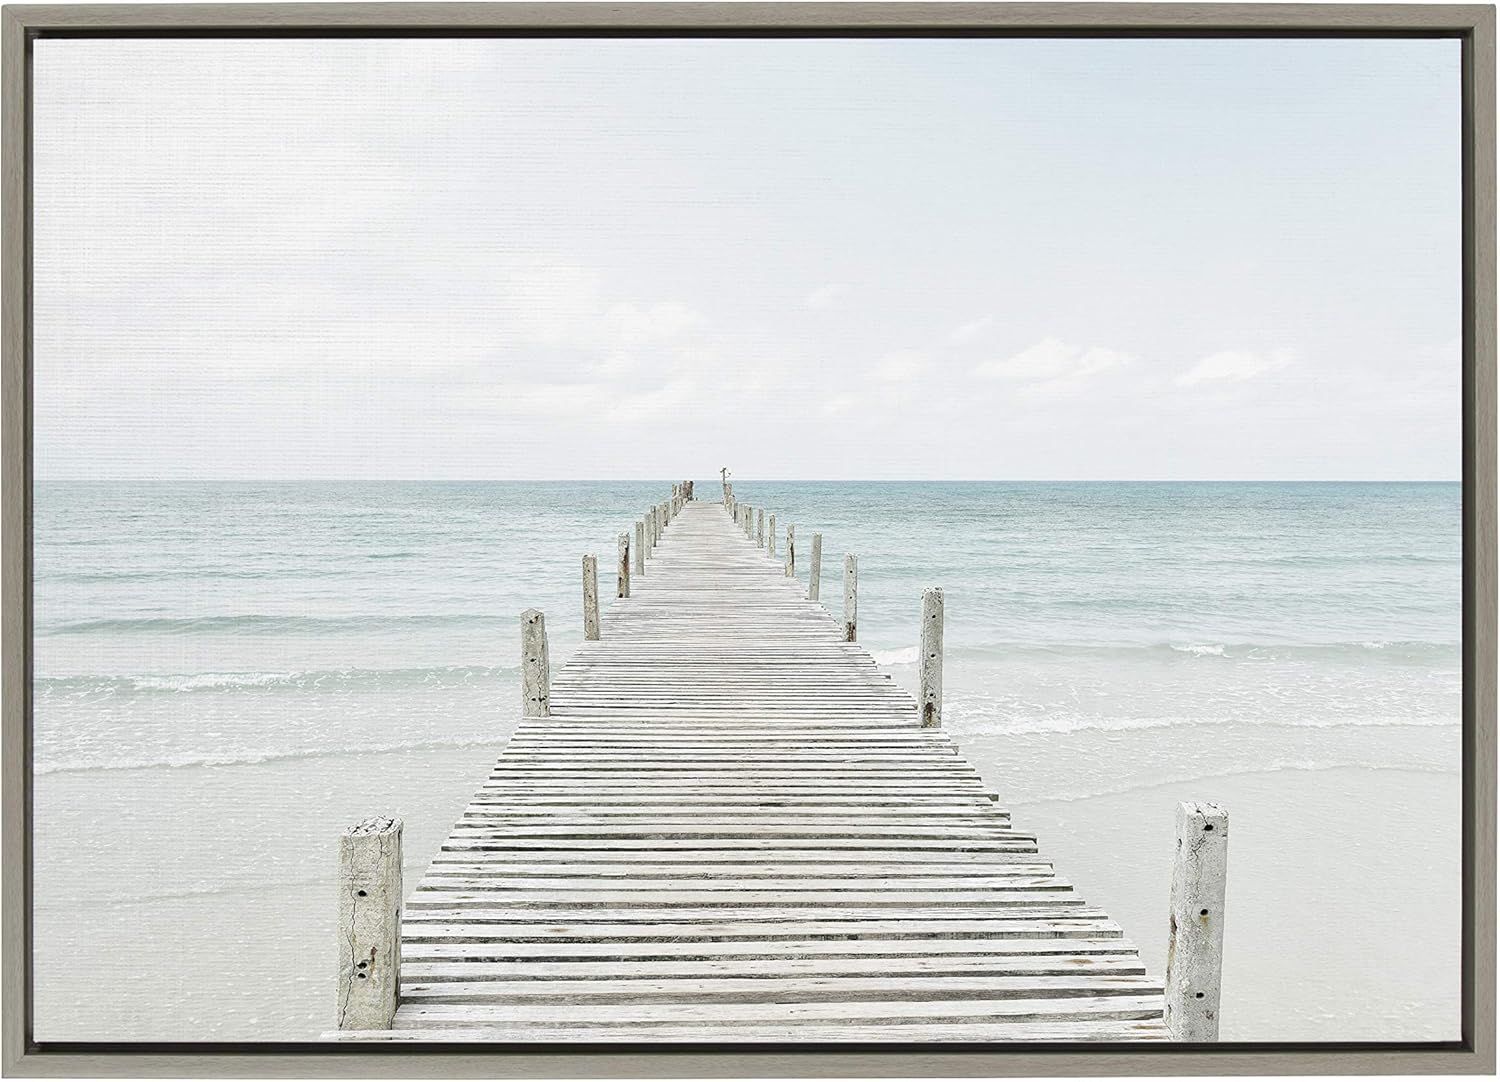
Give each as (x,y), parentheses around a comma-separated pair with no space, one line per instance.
(656,929)
(901,967)
(814,952)
(849,989)
(1128,1006)
(903,1031)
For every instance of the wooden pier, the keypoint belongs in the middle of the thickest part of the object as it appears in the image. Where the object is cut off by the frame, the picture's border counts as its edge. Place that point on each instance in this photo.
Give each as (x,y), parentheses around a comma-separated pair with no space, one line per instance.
(720,821)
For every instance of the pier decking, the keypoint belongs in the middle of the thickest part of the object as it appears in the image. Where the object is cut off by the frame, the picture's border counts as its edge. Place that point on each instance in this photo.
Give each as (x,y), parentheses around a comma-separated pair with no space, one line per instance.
(731,826)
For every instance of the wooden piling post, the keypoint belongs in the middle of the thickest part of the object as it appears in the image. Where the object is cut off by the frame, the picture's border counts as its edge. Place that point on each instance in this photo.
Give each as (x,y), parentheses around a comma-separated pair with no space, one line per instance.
(771,537)
(760,528)
(851,596)
(749,523)
(623,573)
(369,924)
(815,567)
(1195,943)
(591,598)
(791,550)
(930,659)
(640,547)
(536,680)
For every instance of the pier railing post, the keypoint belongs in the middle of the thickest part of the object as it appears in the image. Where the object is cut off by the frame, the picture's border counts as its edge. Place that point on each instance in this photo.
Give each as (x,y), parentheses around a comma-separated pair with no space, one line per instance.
(369,924)
(930,659)
(771,537)
(815,567)
(791,550)
(851,596)
(591,598)
(1195,942)
(760,528)
(749,523)
(640,547)
(536,680)
(623,574)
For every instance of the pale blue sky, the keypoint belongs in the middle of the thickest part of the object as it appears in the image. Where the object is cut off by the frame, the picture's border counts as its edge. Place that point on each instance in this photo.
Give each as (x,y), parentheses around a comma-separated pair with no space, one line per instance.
(860,258)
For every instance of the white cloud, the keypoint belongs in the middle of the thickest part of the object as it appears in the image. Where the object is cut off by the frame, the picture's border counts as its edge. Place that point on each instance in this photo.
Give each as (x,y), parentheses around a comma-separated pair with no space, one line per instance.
(632,325)
(968,332)
(840,404)
(826,296)
(1235,366)
(901,366)
(1053,366)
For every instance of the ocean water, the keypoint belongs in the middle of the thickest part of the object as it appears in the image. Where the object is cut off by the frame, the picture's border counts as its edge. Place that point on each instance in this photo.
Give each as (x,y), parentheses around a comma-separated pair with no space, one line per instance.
(227,673)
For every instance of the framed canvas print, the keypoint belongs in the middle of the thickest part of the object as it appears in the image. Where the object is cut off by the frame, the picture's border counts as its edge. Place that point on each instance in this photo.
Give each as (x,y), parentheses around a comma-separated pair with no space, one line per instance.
(772,539)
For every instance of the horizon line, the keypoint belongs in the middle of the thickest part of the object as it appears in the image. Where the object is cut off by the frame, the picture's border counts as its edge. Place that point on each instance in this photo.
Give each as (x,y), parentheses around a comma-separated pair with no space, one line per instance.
(770,480)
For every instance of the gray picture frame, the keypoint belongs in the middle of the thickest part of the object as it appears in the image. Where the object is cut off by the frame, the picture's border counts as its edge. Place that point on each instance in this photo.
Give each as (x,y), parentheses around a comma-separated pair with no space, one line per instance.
(1472,25)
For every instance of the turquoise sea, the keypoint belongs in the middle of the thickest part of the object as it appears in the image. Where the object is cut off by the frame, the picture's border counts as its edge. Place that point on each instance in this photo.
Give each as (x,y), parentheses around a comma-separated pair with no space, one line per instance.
(226,672)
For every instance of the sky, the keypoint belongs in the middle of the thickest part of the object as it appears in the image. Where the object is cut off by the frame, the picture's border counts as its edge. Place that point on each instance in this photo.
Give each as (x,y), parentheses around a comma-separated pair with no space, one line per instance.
(858,258)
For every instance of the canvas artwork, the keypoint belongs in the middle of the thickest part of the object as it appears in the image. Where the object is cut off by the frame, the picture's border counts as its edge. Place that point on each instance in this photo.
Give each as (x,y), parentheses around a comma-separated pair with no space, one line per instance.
(875,539)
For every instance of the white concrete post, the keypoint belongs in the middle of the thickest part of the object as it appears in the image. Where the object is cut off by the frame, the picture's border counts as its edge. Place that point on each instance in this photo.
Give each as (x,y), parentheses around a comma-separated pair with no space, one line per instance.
(1195,943)
(851,596)
(536,680)
(815,567)
(640,547)
(623,574)
(591,598)
(369,924)
(760,528)
(771,537)
(791,551)
(931,657)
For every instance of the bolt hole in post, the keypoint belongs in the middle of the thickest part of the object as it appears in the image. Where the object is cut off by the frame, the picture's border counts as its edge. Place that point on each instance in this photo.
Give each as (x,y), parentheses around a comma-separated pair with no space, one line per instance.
(535,676)
(851,597)
(1195,946)
(930,658)
(591,598)
(369,924)
(622,588)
